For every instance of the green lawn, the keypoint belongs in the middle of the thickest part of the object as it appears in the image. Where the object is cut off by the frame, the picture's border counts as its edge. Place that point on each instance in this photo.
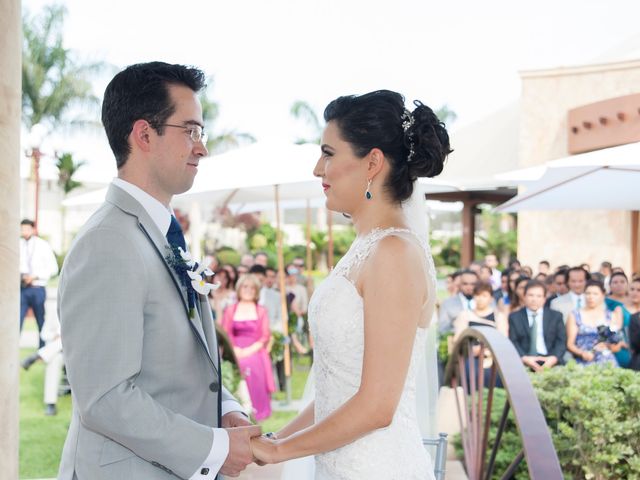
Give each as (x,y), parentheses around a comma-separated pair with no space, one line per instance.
(42,437)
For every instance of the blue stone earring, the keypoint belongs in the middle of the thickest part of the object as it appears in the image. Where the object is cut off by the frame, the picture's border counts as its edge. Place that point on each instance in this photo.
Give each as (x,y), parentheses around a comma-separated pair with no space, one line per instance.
(367,193)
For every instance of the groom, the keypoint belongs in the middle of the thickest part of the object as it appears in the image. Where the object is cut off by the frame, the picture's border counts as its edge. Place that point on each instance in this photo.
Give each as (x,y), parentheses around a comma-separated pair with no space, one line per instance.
(139,343)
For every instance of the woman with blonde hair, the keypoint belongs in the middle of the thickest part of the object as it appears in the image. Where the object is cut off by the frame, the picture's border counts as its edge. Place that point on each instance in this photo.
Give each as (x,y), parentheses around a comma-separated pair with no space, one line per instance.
(247,325)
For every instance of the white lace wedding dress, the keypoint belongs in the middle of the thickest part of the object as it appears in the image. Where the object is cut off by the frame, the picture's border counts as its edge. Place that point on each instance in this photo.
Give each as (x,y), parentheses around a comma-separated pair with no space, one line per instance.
(337,325)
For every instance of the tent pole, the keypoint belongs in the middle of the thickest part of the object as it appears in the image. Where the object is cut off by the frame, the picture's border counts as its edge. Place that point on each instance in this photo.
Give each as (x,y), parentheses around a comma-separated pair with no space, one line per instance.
(283,296)
(309,261)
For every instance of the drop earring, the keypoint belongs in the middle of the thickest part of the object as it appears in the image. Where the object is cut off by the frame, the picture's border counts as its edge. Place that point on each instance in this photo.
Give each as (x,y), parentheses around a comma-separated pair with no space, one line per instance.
(367,193)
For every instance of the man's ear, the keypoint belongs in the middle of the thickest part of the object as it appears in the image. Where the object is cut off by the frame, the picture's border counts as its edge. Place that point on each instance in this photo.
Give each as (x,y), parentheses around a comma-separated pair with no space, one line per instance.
(140,136)
(375,162)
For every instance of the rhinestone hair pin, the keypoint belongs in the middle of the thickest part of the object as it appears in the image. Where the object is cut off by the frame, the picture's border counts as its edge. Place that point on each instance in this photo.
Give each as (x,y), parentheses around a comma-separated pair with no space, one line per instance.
(407,123)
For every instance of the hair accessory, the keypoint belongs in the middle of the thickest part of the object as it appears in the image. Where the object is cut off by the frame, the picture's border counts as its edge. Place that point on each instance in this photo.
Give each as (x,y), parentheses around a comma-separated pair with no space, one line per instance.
(367,193)
(407,123)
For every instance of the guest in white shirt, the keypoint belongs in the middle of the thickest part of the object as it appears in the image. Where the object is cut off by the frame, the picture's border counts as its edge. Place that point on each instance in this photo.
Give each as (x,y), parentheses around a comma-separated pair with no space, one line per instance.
(538,333)
(576,279)
(37,265)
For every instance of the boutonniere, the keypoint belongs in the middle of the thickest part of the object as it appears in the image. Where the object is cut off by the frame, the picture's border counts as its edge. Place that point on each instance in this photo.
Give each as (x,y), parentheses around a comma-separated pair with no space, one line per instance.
(192,275)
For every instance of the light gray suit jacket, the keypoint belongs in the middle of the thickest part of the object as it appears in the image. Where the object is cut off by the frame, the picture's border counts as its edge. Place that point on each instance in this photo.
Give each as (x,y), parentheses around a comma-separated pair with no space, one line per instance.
(564,305)
(143,374)
(448,312)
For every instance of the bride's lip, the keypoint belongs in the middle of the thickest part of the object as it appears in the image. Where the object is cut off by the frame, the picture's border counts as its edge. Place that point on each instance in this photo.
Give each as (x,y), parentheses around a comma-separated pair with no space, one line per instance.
(325,187)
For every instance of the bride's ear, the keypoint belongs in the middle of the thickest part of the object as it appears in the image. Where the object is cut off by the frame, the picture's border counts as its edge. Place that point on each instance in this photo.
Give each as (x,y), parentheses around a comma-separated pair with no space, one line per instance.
(375,162)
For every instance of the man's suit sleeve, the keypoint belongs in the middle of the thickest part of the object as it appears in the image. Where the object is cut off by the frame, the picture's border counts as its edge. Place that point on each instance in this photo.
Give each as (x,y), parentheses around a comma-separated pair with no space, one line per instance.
(102,302)
(513,336)
(560,336)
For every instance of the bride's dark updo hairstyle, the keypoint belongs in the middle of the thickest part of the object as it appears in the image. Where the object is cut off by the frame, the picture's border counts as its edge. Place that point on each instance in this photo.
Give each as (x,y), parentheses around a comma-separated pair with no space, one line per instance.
(375,120)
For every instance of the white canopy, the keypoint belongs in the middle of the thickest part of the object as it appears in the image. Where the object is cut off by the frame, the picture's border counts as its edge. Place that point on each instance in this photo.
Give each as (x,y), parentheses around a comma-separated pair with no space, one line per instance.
(605,179)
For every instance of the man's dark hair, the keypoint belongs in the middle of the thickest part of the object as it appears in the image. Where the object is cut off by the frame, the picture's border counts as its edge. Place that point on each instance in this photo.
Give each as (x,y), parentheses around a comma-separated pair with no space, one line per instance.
(456,274)
(468,271)
(259,269)
(606,265)
(270,269)
(535,284)
(587,275)
(26,221)
(595,283)
(561,272)
(544,262)
(141,92)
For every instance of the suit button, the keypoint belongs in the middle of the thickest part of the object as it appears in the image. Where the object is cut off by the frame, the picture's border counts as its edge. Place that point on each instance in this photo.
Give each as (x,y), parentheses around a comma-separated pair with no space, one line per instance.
(214,387)
(204,471)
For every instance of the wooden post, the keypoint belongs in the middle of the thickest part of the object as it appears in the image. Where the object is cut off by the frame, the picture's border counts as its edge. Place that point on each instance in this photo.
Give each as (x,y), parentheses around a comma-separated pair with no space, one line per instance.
(468,233)
(283,293)
(10,102)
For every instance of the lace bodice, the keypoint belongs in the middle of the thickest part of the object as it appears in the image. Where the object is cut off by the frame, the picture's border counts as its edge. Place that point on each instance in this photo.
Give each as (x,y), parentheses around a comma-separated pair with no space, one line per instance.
(336,316)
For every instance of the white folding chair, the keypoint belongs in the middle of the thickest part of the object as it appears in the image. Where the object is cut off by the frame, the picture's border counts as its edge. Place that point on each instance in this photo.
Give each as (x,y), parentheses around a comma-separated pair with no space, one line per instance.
(440,460)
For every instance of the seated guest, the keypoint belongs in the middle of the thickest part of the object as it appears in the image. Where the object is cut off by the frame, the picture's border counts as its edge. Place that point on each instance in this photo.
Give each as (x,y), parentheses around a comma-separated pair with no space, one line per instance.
(538,333)
(634,341)
(505,305)
(576,278)
(452,283)
(517,300)
(618,297)
(633,300)
(482,314)
(491,261)
(502,292)
(486,274)
(455,304)
(605,270)
(587,336)
(559,286)
(544,267)
(527,270)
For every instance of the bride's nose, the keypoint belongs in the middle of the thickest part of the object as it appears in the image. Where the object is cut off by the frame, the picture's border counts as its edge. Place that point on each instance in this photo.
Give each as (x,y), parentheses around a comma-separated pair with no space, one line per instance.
(318,170)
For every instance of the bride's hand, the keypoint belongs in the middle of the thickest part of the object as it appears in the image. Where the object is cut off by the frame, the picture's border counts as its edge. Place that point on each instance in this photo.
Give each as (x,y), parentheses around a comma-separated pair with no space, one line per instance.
(264,450)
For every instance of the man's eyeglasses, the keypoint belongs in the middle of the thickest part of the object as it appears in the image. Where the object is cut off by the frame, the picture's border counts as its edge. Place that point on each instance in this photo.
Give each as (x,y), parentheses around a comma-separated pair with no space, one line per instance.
(196,132)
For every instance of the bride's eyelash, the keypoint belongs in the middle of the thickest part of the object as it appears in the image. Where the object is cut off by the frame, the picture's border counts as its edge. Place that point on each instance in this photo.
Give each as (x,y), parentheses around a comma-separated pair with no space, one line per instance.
(326,152)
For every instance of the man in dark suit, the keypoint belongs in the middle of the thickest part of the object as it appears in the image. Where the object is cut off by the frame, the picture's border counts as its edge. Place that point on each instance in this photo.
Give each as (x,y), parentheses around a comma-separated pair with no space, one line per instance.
(538,333)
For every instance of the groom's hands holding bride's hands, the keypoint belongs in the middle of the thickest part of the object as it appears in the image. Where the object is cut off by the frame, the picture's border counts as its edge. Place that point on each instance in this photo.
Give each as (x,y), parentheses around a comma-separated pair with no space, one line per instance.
(265,450)
(240,431)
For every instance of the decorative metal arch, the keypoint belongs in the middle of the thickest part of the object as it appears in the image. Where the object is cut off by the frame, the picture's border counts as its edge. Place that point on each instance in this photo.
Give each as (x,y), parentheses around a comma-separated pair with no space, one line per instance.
(475,419)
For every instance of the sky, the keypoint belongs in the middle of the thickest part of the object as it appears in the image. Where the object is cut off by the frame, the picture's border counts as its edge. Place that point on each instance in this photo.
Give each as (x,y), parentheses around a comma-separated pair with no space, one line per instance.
(264,55)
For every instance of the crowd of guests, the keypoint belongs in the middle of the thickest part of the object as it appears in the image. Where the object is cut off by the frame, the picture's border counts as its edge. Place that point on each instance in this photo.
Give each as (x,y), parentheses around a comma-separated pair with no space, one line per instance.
(550,316)
(247,306)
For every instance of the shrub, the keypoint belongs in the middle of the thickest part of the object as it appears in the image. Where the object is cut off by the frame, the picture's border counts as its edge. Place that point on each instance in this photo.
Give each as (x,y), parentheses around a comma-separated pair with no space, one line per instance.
(227,255)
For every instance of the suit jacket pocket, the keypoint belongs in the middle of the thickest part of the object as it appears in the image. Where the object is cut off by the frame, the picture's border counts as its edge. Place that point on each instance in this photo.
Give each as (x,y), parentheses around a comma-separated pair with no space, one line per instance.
(113,452)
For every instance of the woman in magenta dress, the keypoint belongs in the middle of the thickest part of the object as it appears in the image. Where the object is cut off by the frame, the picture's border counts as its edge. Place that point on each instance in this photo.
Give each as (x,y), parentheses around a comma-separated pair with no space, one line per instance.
(247,325)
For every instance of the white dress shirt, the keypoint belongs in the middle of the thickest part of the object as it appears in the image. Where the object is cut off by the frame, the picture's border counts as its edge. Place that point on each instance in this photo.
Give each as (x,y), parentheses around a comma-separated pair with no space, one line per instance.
(161,216)
(38,260)
(467,304)
(575,297)
(541,348)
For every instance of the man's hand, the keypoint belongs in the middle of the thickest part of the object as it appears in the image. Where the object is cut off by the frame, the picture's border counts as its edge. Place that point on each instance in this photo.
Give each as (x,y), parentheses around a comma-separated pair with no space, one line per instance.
(531,363)
(240,454)
(235,419)
(550,361)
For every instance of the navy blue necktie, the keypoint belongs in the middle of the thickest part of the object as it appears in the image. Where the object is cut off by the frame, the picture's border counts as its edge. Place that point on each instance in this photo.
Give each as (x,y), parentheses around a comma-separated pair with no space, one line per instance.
(174,235)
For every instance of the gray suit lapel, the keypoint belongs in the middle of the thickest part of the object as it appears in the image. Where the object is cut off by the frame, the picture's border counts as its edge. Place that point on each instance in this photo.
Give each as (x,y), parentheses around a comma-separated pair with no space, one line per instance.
(130,205)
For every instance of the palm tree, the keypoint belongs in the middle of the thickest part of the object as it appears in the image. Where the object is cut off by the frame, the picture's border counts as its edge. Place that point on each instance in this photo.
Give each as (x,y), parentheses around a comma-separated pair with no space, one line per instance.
(67,168)
(301,110)
(219,142)
(54,83)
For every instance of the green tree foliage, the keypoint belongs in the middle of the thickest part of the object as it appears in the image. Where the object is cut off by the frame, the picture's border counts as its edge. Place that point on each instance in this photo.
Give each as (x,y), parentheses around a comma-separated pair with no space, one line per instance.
(301,110)
(54,81)
(67,168)
(494,240)
(445,114)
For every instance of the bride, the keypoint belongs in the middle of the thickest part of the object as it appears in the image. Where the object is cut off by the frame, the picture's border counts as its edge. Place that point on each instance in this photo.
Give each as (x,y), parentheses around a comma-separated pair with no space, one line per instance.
(369,317)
